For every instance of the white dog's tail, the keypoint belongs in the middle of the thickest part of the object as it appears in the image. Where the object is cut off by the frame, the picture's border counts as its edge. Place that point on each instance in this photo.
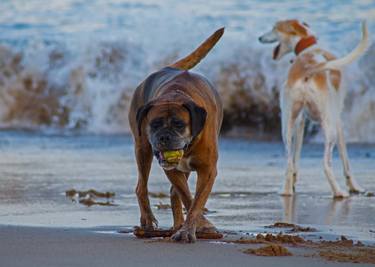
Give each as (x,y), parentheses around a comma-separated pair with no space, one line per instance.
(337,64)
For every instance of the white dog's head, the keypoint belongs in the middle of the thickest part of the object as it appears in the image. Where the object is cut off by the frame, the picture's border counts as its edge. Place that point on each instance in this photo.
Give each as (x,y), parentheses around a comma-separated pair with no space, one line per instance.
(288,33)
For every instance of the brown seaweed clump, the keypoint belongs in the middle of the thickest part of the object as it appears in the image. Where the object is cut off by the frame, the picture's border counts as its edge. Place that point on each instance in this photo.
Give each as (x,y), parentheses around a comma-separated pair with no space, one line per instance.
(291,227)
(89,197)
(281,238)
(345,250)
(91,193)
(271,239)
(162,206)
(165,234)
(357,255)
(269,250)
(158,194)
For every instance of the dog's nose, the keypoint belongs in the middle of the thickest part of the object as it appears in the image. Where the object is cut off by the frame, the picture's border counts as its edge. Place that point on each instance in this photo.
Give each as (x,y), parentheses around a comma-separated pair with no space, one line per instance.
(260,39)
(164,139)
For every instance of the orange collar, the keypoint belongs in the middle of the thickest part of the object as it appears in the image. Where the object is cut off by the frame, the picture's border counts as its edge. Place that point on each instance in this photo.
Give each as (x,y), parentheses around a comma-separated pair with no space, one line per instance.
(304,43)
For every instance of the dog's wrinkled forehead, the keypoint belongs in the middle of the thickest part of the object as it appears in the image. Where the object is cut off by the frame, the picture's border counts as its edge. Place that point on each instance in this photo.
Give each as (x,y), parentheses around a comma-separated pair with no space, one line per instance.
(168,110)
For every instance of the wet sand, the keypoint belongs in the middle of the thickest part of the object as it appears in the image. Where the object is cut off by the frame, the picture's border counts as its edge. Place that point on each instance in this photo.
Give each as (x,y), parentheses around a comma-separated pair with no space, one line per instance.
(36,171)
(66,197)
(33,246)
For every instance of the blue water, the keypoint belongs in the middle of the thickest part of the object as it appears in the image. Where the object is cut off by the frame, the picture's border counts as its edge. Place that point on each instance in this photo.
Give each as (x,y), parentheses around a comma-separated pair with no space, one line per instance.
(142,20)
(85,58)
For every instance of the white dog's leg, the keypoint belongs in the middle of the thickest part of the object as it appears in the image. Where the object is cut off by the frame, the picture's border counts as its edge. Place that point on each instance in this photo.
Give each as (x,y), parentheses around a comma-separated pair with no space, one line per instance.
(352,184)
(287,124)
(298,146)
(330,134)
(289,205)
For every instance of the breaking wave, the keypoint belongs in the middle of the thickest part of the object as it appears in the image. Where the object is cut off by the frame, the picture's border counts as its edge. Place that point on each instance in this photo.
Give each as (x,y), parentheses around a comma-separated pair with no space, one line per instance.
(77,83)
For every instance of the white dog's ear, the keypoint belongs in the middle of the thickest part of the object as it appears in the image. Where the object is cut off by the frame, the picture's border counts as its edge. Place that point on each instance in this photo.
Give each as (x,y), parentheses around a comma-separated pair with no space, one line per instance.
(298,29)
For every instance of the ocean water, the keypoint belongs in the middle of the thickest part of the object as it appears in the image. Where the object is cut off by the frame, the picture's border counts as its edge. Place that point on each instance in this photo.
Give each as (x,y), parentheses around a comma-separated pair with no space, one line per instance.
(72,65)
(37,170)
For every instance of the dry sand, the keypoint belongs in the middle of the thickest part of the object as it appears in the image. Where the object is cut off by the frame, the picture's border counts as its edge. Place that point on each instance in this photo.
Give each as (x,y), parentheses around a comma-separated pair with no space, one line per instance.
(32,246)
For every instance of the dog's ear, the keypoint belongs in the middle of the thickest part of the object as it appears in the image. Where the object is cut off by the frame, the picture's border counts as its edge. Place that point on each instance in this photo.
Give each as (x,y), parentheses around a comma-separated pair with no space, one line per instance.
(141,114)
(197,117)
(299,29)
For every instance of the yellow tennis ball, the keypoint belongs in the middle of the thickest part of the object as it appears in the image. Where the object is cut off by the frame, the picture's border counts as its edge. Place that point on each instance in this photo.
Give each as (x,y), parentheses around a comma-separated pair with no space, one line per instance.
(173,156)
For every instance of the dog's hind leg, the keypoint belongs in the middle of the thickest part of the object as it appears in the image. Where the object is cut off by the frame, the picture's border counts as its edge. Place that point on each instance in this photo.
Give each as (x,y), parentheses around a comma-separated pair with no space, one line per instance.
(289,113)
(144,159)
(352,184)
(176,204)
(330,139)
(300,128)
(178,180)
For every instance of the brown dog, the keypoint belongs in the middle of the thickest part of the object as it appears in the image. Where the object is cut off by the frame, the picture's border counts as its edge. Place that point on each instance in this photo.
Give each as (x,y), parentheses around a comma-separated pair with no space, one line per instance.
(178,112)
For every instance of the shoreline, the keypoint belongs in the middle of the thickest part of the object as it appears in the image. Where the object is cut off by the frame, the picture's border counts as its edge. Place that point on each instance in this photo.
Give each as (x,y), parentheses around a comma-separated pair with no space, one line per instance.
(45,246)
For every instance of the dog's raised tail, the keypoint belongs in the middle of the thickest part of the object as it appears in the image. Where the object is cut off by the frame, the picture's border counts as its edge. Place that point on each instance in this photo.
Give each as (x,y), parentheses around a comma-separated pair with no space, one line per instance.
(337,64)
(198,54)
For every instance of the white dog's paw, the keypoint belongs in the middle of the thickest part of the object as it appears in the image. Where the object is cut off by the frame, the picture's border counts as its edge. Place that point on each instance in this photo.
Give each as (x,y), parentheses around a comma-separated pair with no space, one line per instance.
(285,193)
(354,187)
(287,189)
(357,190)
(340,194)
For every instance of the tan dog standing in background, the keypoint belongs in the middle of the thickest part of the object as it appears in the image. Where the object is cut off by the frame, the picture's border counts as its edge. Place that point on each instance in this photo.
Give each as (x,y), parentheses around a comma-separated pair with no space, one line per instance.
(312,89)
(176,112)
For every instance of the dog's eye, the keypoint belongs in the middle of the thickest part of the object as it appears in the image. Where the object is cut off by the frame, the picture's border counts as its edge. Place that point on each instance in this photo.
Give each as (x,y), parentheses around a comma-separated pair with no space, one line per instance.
(178,124)
(156,124)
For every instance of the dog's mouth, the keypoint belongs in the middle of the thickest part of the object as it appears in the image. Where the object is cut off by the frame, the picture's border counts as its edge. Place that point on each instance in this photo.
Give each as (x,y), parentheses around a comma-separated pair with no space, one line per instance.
(169,159)
(276,51)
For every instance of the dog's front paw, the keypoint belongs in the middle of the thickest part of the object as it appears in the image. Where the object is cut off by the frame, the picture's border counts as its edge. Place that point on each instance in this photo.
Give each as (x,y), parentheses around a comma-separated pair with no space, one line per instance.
(185,235)
(149,222)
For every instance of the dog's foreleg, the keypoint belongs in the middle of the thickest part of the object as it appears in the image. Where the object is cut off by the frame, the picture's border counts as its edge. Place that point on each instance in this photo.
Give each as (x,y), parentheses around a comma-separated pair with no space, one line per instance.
(179,182)
(205,182)
(180,185)
(330,134)
(143,155)
(352,184)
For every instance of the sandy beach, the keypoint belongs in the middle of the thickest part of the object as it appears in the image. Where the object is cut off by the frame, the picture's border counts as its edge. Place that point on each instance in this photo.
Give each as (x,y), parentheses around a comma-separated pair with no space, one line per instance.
(33,246)
(43,226)
(68,71)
